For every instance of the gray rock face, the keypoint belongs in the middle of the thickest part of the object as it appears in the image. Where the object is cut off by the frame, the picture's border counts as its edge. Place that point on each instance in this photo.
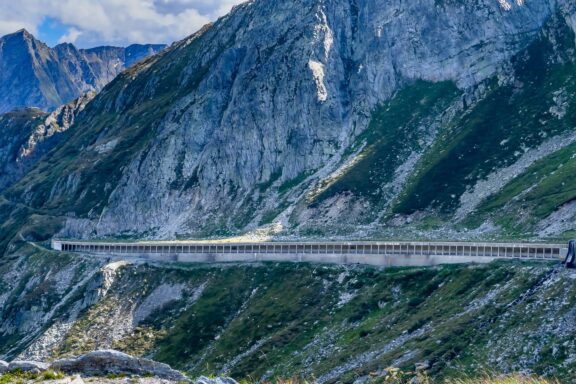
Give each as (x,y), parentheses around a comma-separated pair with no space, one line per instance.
(113,362)
(28,366)
(35,75)
(3,366)
(45,136)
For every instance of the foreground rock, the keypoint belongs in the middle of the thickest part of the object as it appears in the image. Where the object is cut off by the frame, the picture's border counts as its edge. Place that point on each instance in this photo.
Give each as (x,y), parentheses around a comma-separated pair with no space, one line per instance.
(113,362)
(217,380)
(104,363)
(27,366)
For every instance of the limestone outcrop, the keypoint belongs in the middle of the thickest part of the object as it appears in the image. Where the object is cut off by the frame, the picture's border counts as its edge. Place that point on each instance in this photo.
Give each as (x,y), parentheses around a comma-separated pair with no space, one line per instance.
(215,380)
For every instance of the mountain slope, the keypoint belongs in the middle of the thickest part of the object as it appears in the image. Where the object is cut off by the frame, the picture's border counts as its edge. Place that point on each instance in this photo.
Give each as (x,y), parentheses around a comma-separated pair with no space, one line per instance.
(34,75)
(313,118)
(32,133)
(337,118)
(261,321)
(16,127)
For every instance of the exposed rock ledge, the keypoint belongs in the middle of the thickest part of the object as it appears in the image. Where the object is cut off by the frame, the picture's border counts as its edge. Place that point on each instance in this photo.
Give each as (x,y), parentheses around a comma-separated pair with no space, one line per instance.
(108,362)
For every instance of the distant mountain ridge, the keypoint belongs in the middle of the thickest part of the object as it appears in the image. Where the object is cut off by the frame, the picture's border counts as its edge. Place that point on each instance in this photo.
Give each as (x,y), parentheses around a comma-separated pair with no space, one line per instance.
(34,75)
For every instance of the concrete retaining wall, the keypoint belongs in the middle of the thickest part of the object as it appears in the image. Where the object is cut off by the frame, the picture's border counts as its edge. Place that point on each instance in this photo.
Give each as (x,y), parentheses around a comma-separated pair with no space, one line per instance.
(367,253)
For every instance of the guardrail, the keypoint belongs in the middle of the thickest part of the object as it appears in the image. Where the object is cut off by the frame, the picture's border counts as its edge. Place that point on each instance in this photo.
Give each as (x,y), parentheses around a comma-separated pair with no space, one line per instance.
(372,252)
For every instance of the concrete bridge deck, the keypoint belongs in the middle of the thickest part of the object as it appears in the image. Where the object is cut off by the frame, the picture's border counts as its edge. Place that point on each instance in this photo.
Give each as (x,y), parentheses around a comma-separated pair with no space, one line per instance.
(377,253)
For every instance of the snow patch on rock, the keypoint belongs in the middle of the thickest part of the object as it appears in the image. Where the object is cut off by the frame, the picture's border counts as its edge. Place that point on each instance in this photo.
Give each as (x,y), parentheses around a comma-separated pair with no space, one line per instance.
(317,69)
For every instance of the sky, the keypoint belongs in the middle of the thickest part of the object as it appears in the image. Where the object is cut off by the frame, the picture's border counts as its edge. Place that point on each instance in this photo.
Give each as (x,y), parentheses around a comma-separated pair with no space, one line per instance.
(90,23)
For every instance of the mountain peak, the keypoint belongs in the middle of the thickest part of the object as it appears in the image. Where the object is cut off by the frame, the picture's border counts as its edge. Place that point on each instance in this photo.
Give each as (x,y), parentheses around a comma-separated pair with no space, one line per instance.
(20,37)
(24,33)
(46,77)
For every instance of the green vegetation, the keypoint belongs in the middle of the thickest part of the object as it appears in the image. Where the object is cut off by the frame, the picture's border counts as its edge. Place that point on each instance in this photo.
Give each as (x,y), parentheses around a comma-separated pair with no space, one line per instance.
(288,185)
(43,294)
(396,130)
(273,178)
(497,130)
(279,320)
(541,189)
(20,377)
(504,379)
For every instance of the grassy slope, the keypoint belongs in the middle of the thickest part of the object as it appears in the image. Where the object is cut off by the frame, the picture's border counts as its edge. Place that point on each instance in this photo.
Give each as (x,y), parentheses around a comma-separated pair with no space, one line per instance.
(541,189)
(33,281)
(456,317)
(396,130)
(495,131)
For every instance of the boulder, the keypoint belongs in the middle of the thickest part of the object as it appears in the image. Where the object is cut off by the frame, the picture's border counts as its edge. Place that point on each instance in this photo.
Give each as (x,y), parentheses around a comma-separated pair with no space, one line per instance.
(217,380)
(27,366)
(113,362)
(422,366)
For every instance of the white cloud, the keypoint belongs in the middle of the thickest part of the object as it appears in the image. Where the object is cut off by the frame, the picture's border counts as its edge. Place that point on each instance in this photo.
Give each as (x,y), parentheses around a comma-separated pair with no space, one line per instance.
(114,22)
(70,37)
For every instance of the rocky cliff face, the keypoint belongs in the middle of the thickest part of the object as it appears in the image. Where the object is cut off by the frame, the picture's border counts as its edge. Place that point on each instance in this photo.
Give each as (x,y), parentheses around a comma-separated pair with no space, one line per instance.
(327,118)
(34,75)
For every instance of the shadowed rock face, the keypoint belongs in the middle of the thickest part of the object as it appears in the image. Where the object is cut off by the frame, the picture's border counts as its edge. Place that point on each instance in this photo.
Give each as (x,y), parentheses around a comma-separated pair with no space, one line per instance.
(16,127)
(35,75)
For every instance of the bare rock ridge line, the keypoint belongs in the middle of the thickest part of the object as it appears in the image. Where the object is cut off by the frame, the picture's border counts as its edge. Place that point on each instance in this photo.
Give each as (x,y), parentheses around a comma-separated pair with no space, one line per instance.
(31,133)
(369,253)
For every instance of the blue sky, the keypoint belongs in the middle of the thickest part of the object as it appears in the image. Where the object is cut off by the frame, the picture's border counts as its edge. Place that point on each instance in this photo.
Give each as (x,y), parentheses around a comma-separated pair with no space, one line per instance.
(89,23)
(51,30)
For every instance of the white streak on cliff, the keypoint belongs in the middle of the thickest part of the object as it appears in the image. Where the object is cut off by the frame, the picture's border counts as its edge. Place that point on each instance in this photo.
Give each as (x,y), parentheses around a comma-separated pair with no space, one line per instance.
(317,69)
